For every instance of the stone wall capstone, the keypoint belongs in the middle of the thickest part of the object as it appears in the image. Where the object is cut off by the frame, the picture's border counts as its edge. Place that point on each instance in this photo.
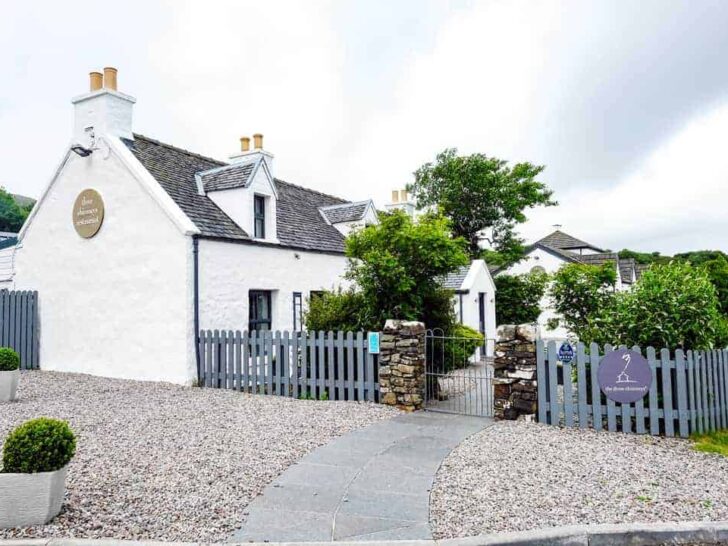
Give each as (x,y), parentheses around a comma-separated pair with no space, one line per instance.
(514,384)
(402,364)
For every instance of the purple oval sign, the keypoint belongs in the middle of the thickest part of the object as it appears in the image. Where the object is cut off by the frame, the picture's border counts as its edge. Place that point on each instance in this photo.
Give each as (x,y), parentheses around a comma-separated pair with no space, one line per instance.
(624,376)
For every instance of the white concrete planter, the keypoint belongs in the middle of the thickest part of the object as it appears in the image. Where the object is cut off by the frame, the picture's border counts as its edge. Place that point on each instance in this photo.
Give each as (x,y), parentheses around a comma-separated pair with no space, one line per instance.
(31,499)
(8,385)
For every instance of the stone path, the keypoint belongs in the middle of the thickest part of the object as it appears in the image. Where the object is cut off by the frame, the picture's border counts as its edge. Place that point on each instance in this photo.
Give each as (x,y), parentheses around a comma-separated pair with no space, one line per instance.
(371,484)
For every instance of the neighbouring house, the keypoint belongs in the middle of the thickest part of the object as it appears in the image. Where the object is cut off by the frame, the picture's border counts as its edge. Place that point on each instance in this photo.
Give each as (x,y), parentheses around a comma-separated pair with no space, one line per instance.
(474,300)
(558,248)
(135,245)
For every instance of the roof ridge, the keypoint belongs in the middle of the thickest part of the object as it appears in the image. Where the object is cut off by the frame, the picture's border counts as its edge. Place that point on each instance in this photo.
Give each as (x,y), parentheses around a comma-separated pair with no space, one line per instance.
(182,150)
(343,201)
(347,204)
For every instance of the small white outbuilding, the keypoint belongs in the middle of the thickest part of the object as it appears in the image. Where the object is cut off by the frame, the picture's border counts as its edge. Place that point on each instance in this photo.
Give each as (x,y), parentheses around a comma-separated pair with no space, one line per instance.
(474,300)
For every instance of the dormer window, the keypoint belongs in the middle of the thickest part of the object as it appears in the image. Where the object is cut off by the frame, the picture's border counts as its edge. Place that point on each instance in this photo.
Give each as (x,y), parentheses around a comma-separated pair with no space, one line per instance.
(259,216)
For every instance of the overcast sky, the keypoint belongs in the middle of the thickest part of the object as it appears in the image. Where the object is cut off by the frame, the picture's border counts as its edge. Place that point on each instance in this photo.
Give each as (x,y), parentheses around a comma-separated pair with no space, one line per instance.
(626,103)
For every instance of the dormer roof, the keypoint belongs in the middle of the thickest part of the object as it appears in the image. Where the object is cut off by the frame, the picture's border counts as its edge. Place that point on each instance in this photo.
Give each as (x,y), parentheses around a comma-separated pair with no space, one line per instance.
(228,177)
(346,212)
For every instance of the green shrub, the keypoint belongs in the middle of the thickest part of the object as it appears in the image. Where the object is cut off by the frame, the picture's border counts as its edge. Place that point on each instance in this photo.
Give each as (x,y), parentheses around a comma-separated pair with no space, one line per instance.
(332,311)
(454,350)
(9,360)
(39,445)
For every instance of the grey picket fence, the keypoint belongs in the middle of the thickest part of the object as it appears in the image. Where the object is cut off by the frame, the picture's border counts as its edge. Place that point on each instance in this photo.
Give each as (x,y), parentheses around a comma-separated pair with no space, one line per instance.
(317,365)
(689,392)
(19,325)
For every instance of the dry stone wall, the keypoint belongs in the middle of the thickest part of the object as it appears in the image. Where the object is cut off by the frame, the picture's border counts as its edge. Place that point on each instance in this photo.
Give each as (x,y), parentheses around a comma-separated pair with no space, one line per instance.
(402,364)
(514,383)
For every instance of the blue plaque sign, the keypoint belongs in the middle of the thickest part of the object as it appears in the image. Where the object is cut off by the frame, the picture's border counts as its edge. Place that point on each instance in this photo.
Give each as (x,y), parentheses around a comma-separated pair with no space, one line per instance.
(566,353)
(373,339)
(624,376)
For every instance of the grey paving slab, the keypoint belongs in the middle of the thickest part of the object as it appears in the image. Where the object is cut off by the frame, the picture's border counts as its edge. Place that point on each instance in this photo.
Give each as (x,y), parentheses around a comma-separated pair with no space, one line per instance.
(371,484)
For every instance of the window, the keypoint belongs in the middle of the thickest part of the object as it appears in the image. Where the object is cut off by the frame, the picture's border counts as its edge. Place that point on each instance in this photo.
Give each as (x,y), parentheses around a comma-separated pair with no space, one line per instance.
(297,311)
(259,317)
(259,216)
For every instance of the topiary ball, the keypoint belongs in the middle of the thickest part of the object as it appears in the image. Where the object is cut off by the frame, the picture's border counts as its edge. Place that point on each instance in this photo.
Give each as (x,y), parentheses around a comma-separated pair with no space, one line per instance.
(9,360)
(39,445)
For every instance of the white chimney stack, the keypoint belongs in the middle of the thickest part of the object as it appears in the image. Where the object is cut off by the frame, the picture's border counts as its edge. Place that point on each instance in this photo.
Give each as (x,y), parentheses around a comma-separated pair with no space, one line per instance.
(103,110)
(401,200)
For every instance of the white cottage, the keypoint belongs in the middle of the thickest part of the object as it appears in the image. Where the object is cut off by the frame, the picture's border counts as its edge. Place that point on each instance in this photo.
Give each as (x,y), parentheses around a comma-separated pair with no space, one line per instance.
(135,245)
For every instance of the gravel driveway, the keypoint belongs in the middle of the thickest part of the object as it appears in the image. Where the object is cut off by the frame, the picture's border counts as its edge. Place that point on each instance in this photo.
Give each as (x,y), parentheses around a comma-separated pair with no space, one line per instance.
(516,476)
(161,462)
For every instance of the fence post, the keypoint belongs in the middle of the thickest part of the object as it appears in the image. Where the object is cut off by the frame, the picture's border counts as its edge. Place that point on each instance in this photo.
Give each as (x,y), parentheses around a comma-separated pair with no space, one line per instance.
(402,365)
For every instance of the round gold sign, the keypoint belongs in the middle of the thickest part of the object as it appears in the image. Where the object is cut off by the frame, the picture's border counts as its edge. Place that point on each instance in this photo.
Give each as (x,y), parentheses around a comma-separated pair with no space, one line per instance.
(88,213)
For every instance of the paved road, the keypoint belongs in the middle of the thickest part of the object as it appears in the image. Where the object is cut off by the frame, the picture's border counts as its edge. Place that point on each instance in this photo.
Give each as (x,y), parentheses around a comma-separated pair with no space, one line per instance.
(371,484)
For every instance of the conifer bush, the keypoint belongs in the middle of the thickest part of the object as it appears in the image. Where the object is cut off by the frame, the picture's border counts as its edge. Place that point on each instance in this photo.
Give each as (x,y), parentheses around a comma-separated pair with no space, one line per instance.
(39,445)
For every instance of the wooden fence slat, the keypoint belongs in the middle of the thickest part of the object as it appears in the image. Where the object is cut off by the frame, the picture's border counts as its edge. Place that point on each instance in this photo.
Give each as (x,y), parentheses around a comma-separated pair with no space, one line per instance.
(305,385)
(554,410)
(331,373)
(724,384)
(639,407)
(350,365)
(581,385)
(704,391)
(11,323)
(568,396)
(541,382)
(682,394)
(611,406)
(321,363)
(360,365)
(340,366)
(286,363)
(594,361)
(237,350)
(691,392)
(667,404)
(22,318)
(718,390)
(711,393)
(223,359)
(36,332)
(370,377)
(654,388)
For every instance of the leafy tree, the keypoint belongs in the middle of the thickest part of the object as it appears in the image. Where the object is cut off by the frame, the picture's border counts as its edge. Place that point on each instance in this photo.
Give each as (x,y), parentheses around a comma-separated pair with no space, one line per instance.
(718,272)
(12,215)
(581,294)
(518,297)
(478,193)
(398,265)
(674,305)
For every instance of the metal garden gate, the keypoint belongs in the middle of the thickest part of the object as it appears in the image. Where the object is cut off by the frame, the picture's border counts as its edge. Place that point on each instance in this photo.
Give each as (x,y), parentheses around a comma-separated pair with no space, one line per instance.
(458,376)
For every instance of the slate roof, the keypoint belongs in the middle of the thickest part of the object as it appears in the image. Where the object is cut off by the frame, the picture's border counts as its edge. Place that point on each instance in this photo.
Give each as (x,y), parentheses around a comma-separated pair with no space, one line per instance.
(299,223)
(454,280)
(348,212)
(229,177)
(564,241)
(641,268)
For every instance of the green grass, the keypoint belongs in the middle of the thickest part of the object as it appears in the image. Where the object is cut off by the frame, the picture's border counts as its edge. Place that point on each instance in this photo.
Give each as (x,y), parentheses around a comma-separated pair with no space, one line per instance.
(713,442)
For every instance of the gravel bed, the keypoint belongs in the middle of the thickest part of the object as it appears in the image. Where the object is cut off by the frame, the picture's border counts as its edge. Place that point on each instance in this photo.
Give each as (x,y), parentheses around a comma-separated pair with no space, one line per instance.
(517,476)
(157,461)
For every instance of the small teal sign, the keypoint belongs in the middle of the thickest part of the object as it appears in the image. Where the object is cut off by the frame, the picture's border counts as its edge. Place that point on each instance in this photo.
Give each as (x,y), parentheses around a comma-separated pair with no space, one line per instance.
(566,353)
(373,339)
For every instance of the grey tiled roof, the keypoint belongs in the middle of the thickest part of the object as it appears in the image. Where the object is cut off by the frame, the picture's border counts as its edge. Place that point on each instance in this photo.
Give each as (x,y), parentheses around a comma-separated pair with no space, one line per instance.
(298,220)
(454,280)
(349,212)
(559,239)
(229,177)
(641,268)
(175,170)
